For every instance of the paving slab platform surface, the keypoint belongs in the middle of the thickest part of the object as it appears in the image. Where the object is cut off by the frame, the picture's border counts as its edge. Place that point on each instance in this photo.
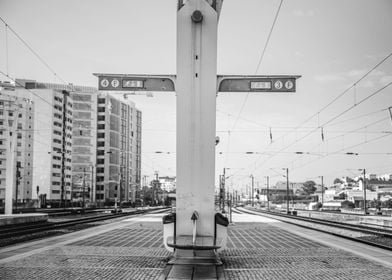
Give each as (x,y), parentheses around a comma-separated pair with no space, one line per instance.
(132,248)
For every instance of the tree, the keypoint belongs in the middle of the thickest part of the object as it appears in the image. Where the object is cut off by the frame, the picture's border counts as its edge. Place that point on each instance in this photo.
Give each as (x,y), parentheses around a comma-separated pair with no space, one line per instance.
(348,204)
(349,180)
(309,187)
(338,181)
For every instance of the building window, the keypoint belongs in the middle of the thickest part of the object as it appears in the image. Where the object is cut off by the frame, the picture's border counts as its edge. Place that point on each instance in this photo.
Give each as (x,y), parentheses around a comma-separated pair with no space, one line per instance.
(101,144)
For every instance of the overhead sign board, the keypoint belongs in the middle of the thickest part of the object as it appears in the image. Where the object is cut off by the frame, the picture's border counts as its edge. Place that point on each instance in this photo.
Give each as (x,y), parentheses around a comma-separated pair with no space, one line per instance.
(257,83)
(113,82)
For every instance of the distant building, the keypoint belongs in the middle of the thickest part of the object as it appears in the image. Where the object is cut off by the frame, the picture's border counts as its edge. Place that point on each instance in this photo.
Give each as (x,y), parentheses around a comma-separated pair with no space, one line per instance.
(84,143)
(137,154)
(118,149)
(357,197)
(52,137)
(19,110)
(86,146)
(168,183)
(293,187)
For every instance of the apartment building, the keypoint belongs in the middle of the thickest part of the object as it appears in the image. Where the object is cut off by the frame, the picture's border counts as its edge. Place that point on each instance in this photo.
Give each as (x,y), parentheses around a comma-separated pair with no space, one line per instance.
(52,136)
(84,141)
(16,114)
(118,153)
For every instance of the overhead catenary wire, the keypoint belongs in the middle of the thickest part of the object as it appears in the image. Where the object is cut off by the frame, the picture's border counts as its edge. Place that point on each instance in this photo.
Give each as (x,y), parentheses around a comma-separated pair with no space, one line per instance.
(339,96)
(358,117)
(260,60)
(258,65)
(8,27)
(329,104)
(342,135)
(343,149)
(33,51)
(332,119)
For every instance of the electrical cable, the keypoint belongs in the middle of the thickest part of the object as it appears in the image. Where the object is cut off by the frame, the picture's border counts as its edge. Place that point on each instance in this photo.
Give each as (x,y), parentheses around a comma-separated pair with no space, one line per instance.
(32,50)
(258,66)
(334,118)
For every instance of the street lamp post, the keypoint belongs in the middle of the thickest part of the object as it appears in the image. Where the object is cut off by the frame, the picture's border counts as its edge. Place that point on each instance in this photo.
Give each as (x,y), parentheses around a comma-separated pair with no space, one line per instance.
(364,190)
(322,190)
(252,193)
(268,208)
(287,189)
(84,186)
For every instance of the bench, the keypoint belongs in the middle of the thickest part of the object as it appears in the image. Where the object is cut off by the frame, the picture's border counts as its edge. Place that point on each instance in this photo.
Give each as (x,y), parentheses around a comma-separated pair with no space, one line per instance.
(185,242)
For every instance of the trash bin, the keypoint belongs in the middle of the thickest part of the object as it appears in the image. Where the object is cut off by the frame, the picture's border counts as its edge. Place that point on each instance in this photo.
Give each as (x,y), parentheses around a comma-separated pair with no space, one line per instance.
(169,229)
(220,235)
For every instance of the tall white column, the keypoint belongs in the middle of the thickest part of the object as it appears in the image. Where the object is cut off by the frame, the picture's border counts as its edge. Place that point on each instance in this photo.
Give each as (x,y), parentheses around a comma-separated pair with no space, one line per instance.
(196,111)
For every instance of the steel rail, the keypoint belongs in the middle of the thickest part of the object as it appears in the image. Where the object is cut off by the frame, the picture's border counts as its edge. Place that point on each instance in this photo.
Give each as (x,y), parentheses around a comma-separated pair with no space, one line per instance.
(285,218)
(14,231)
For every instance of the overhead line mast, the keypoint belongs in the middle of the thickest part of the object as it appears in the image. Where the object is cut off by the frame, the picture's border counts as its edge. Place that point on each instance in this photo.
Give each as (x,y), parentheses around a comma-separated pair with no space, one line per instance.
(196,85)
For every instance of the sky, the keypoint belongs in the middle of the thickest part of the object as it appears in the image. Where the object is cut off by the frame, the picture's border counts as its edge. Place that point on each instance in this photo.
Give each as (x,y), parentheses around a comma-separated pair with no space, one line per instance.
(331,44)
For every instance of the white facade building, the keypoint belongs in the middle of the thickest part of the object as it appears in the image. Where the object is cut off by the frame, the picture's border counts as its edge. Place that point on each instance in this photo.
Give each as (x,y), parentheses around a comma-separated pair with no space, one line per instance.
(20,110)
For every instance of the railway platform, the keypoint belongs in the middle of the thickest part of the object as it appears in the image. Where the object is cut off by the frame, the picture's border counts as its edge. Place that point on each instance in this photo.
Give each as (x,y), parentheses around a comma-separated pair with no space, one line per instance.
(131,248)
(16,219)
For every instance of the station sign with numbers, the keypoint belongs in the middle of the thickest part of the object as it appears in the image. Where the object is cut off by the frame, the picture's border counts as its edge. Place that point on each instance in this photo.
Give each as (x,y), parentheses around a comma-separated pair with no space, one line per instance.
(257,83)
(112,82)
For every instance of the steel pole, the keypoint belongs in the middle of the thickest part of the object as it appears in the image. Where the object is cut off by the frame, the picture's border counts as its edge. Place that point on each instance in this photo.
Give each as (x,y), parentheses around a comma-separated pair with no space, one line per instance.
(268,193)
(253,196)
(322,189)
(287,190)
(364,191)
(84,186)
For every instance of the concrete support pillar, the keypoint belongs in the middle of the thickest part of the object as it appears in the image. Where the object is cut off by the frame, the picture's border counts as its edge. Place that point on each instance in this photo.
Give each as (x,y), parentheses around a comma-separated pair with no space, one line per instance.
(196,109)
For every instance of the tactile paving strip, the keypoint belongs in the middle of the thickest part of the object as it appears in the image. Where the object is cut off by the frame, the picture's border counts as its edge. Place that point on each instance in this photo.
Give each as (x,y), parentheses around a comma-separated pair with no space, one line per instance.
(261,251)
(132,252)
(126,237)
(264,236)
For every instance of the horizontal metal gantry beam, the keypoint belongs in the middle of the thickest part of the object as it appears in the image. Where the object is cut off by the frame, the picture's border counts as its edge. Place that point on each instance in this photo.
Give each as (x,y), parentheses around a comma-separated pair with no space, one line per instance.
(225,83)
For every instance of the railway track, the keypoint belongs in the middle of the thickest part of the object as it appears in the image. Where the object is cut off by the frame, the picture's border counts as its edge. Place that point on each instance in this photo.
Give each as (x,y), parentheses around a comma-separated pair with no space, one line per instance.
(378,237)
(28,229)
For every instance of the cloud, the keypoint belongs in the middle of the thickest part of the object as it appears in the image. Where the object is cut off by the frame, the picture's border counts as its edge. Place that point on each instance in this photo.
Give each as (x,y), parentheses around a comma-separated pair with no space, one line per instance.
(356,73)
(385,79)
(329,78)
(367,84)
(302,13)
